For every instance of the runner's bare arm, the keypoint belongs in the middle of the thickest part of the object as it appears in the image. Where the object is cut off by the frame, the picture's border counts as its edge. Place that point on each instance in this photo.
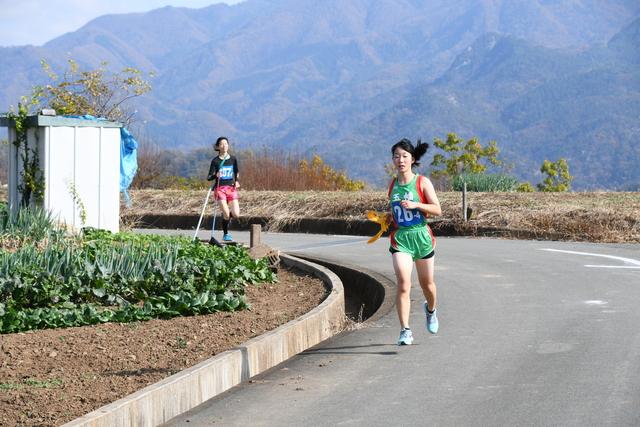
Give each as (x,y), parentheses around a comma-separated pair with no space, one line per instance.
(432,208)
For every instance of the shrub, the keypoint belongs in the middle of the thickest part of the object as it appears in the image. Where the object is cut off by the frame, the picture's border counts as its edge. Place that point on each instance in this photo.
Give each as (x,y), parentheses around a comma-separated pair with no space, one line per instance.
(463,157)
(262,170)
(558,177)
(525,187)
(286,172)
(97,92)
(485,182)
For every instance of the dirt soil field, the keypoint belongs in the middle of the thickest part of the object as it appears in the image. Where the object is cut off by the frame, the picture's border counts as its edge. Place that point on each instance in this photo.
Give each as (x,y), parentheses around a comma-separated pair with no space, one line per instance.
(50,377)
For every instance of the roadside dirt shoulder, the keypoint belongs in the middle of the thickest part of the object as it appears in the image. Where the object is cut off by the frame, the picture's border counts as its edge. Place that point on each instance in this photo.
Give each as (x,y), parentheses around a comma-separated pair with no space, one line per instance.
(50,377)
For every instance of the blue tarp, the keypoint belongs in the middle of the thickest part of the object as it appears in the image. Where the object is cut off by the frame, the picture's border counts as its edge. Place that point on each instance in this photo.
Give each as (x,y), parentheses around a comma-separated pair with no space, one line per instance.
(128,161)
(128,156)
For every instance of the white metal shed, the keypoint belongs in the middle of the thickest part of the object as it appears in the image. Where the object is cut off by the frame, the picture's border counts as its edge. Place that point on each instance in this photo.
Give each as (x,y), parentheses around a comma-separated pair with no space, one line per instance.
(80,162)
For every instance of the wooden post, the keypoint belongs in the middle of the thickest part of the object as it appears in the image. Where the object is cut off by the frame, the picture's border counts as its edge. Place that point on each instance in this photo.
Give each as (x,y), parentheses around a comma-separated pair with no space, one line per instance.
(464,201)
(254,238)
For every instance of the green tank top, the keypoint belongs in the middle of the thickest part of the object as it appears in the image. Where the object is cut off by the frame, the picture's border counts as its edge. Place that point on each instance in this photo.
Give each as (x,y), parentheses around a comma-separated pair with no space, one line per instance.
(406,218)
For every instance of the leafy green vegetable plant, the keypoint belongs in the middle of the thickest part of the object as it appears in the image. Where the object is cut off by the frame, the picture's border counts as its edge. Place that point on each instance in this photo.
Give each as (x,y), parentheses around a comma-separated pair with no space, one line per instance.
(102,277)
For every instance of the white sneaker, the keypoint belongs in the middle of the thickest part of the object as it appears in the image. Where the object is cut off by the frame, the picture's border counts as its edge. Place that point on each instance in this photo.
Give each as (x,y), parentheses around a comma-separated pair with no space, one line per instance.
(406,337)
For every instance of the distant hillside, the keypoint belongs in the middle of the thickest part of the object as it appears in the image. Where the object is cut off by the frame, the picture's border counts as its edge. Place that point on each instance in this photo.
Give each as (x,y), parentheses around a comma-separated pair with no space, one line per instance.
(537,103)
(347,78)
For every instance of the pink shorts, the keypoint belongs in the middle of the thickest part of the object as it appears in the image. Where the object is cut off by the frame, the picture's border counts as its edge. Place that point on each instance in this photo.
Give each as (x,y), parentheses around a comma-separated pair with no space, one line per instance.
(226,192)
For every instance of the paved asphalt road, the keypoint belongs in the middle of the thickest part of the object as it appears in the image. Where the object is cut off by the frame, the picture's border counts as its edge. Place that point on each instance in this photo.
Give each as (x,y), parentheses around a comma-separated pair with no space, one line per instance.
(531,333)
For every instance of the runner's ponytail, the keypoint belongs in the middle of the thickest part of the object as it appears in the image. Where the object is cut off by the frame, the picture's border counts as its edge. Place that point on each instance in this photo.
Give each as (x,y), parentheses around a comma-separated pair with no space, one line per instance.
(421,149)
(416,152)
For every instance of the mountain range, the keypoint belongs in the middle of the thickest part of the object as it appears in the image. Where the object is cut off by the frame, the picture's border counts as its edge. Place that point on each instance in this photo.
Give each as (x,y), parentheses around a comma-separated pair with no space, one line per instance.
(347,78)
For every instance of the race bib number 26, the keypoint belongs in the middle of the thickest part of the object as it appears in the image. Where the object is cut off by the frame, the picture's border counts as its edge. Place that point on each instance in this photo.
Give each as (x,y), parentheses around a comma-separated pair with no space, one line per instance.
(406,217)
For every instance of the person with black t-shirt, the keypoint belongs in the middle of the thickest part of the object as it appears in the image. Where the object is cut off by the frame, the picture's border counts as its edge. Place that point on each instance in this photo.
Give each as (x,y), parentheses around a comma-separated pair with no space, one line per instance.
(224,169)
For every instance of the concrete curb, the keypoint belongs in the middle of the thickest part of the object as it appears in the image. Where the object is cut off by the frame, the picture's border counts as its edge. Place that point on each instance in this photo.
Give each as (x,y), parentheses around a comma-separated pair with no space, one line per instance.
(355,227)
(158,403)
(301,225)
(371,295)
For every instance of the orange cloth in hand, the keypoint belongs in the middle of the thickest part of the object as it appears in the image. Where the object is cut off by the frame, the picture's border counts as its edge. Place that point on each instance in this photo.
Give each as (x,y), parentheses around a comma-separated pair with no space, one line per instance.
(381,218)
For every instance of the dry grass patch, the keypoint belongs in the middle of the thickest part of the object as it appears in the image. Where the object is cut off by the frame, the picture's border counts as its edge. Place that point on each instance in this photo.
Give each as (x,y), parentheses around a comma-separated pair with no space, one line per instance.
(595,216)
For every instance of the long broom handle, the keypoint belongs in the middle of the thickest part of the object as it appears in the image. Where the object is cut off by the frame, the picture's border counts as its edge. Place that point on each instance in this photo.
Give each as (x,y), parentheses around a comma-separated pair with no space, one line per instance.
(204,207)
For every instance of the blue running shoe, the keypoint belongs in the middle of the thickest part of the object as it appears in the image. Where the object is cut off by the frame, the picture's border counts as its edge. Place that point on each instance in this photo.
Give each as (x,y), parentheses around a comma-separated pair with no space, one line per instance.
(227,237)
(432,319)
(406,337)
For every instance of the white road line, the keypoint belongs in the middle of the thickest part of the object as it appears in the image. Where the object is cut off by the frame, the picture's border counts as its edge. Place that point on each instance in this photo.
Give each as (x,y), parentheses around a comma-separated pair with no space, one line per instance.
(631,267)
(596,302)
(635,264)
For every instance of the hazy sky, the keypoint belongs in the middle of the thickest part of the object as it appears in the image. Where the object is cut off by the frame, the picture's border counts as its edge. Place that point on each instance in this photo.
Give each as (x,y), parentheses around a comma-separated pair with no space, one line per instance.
(36,22)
